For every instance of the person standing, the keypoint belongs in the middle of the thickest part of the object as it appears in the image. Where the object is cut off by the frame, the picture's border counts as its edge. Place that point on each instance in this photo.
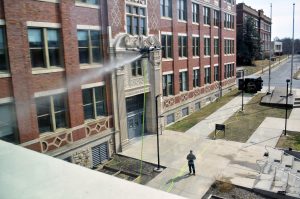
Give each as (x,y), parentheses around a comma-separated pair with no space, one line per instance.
(191,157)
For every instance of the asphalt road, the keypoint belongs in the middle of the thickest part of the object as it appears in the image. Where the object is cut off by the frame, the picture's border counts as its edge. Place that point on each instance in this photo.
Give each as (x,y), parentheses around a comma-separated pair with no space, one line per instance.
(281,73)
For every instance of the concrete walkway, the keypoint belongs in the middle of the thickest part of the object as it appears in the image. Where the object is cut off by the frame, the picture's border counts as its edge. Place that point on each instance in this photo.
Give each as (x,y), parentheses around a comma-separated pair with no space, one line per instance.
(206,126)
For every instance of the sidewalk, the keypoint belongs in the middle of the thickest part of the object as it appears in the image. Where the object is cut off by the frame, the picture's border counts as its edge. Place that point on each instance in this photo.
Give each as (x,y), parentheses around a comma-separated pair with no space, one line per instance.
(206,126)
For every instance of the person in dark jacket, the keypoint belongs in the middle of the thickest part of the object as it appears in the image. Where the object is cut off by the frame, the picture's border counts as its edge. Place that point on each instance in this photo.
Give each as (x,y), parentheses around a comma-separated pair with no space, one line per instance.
(191,157)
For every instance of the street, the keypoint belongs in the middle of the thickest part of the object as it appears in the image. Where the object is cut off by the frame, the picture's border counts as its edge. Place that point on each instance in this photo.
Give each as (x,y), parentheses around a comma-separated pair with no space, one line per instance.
(281,73)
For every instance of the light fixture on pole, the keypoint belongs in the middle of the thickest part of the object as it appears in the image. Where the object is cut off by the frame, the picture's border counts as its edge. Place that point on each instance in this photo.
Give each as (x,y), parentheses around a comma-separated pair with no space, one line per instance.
(293,49)
(286,104)
(243,91)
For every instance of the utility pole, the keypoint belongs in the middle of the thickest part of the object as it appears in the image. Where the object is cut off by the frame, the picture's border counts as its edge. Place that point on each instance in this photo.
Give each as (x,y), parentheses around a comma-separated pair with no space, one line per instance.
(158,168)
(243,90)
(286,104)
(293,49)
(270,54)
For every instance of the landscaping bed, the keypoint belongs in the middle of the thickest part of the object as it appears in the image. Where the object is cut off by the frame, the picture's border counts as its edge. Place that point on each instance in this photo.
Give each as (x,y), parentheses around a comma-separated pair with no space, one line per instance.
(191,120)
(228,191)
(242,125)
(292,140)
(129,169)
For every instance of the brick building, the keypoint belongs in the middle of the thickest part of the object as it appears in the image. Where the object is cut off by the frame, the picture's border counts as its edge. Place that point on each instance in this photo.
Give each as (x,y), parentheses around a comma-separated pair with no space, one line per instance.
(262,23)
(72,85)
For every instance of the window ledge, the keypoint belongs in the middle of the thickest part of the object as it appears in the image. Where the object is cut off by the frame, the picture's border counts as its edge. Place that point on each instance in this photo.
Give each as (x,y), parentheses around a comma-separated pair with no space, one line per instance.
(182,58)
(196,57)
(216,55)
(88,121)
(206,25)
(195,23)
(50,1)
(167,59)
(182,21)
(86,5)
(206,56)
(228,55)
(47,70)
(229,29)
(4,74)
(167,18)
(49,134)
(216,27)
(89,66)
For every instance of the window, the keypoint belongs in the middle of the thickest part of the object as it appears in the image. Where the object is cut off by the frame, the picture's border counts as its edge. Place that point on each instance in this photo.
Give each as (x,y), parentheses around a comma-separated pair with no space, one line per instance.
(206,15)
(89,46)
(196,46)
(229,70)
(181,9)
(216,18)
(197,106)
(135,20)
(196,78)
(51,113)
(185,112)
(207,73)
(229,46)
(7,122)
(136,68)
(170,118)
(4,65)
(44,44)
(94,2)
(195,14)
(94,102)
(229,21)
(206,46)
(216,46)
(168,85)
(217,73)
(166,8)
(166,42)
(183,81)
(182,46)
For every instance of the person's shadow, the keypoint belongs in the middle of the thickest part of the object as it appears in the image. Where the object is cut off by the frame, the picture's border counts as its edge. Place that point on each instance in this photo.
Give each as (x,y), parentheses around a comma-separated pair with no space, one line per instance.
(178,178)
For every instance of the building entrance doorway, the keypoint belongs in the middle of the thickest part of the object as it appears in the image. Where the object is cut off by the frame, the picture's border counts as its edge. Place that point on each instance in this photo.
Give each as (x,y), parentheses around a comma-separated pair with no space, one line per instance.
(135,111)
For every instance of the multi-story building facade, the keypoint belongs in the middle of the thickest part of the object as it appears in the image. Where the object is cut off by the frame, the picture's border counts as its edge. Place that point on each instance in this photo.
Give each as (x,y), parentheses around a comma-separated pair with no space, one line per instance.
(262,23)
(74,85)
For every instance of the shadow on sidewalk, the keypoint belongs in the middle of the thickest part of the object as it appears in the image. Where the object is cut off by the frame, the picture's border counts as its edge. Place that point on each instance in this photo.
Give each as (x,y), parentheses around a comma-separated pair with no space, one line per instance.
(178,178)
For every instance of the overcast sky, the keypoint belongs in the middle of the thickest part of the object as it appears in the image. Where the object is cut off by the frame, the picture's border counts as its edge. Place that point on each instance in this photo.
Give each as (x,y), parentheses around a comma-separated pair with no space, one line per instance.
(282,15)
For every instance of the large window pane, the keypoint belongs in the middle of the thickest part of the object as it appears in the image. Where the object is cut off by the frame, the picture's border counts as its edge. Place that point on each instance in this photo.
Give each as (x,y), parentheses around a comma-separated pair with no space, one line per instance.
(54,57)
(53,38)
(3,52)
(37,58)
(7,122)
(60,120)
(35,38)
(44,123)
(83,38)
(44,115)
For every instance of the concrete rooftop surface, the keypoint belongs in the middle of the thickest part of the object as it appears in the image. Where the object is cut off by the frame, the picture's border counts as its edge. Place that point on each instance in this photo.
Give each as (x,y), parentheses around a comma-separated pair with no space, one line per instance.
(25,174)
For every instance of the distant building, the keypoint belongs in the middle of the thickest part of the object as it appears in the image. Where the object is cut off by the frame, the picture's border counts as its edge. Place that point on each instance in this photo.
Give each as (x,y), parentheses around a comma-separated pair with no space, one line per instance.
(262,23)
(277,47)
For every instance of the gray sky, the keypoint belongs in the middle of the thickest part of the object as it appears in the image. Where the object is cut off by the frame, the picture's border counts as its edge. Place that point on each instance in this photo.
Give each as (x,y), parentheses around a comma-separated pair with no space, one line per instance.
(282,15)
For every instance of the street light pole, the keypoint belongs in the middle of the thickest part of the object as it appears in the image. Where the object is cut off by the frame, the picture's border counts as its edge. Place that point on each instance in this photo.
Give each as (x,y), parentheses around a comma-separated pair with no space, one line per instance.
(270,55)
(293,49)
(157,134)
(243,90)
(286,104)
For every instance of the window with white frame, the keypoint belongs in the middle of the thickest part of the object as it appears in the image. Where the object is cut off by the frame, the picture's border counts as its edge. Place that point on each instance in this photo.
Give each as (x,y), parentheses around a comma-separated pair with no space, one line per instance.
(183,81)
(168,82)
(206,15)
(136,20)
(196,78)
(195,12)
(181,10)
(216,17)
(45,48)
(94,103)
(184,111)
(136,68)
(93,2)
(228,70)
(217,73)
(207,75)
(229,21)
(228,46)
(4,64)
(170,118)
(182,46)
(216,46)
(196,46)
(166,8)
(8,122)
(89,47)
(206,46)
(166,46)
(51,112)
